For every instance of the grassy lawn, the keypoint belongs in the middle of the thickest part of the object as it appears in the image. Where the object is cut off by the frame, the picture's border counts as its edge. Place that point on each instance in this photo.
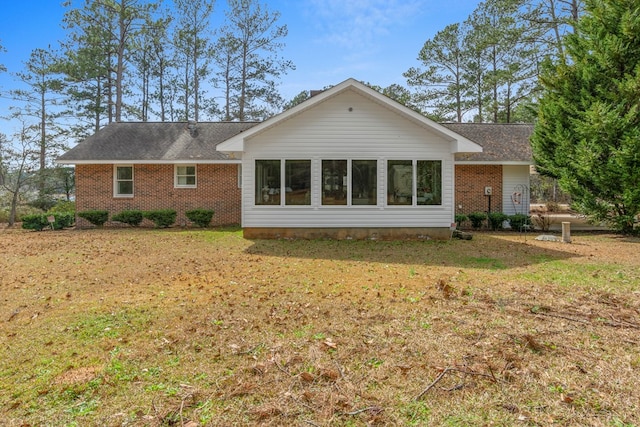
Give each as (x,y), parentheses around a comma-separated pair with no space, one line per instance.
(188,327)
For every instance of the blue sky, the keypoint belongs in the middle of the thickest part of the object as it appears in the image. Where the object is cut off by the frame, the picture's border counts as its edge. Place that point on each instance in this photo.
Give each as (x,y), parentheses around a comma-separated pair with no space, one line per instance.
(373,41)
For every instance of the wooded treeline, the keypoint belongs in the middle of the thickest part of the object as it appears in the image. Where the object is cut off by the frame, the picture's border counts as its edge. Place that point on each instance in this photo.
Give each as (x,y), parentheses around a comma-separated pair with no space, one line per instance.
(486,68)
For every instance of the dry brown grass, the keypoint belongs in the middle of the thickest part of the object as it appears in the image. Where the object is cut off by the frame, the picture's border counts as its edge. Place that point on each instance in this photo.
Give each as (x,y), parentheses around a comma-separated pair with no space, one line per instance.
(183,327)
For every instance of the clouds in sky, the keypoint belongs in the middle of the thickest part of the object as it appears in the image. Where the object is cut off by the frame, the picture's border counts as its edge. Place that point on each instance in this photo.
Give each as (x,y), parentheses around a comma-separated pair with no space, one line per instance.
(357,24)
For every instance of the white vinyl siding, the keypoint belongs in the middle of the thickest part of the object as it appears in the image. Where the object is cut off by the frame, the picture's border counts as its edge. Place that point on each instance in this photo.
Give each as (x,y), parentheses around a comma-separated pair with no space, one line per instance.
(515,189)
(352,127)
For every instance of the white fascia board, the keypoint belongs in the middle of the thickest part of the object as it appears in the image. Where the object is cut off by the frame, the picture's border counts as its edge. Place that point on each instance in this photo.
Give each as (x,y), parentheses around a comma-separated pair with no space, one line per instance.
(148,162)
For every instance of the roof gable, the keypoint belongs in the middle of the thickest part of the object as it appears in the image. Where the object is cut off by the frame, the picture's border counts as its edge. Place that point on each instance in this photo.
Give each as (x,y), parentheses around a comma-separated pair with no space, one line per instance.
(458,143)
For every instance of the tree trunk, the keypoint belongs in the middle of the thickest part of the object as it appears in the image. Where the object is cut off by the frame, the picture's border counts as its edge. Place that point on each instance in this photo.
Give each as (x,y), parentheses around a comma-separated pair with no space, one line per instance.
(43,143)
(14,207)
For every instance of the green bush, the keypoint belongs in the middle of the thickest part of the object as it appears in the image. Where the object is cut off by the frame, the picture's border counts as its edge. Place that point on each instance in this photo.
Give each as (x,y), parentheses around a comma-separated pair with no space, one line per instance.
(477,218)
(496,219)
(131,217)
(201,217)
(21,211)
(162,218)
(95,217)
(43,203)
(63,206)
(36,222)
(460,218)
(39,222)
(63,219)
(518,221)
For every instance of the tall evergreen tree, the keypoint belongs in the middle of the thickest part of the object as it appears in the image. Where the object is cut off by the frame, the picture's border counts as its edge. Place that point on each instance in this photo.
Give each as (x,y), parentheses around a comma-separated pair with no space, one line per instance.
(151,61)
(42,77)
(441,85)
(87,68)
(249,61)
(193,52)
(588,129)
(107,28)
(507,46)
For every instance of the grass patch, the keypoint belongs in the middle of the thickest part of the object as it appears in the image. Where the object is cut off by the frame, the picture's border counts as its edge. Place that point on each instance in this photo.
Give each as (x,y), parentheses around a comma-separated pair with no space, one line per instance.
(164,327)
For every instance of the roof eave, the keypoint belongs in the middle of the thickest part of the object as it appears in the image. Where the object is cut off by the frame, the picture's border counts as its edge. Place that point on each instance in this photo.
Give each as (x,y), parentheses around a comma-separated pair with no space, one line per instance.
(148,162)
(494,162)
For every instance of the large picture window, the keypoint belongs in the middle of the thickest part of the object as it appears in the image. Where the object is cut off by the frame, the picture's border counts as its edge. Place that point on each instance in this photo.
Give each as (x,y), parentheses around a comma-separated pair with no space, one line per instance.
(123,181)
(364,182)
(297,182)
(334,182)
(429,182)
(267,182)
(185,176)
(427,175)
(346,182)
(400,182)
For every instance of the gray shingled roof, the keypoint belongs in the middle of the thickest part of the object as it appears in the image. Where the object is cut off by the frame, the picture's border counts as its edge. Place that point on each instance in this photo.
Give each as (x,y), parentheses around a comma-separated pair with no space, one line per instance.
(155,142)
(174,141)
(500,142)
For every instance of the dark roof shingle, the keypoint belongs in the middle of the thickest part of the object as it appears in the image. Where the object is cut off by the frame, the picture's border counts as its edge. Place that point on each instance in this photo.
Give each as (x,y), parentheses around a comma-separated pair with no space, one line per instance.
(164,141)
(500,142)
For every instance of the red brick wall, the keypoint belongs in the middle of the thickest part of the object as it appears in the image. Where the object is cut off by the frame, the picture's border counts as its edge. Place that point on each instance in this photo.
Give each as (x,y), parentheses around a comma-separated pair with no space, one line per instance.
(217,189)
(470,183)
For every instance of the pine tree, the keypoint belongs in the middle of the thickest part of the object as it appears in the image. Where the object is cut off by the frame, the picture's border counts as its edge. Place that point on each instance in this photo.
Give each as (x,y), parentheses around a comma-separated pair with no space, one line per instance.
(42,78)
(248,59)
(193,52)
(588,129)
(441,84)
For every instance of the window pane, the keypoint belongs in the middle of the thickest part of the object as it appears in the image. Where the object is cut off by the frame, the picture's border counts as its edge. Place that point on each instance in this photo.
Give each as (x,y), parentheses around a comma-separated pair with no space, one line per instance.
(429,182)
(399,182)
(267,182)
(186,180)
(186,176)
(125,187)
(334,182)
(124,181)
(297,182)
(124,172)
(364,177)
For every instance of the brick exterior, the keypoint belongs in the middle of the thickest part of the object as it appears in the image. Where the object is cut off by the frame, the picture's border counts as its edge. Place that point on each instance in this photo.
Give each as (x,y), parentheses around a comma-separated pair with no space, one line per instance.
(470,183)
(217,189)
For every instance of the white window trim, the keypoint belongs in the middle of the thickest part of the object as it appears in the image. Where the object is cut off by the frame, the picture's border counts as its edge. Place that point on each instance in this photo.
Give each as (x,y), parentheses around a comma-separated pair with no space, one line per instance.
(175,176)
(116,180)
(414,186)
